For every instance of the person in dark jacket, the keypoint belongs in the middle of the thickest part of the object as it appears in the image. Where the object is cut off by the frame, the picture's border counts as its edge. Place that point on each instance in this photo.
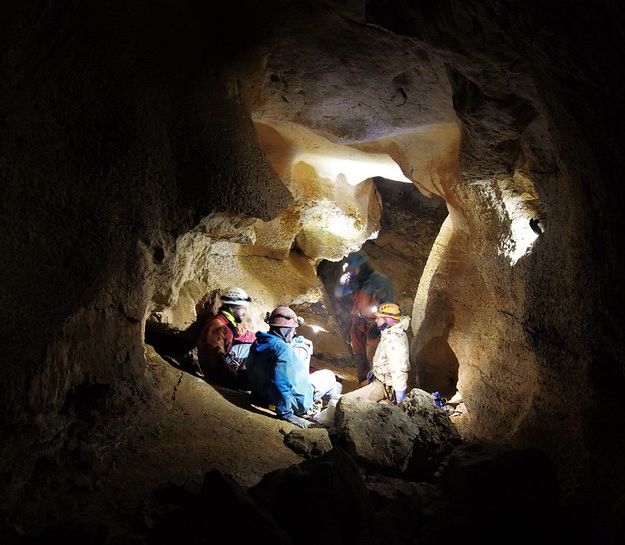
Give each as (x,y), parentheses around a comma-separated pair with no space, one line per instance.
(369,289)
(224,342)
(278,376)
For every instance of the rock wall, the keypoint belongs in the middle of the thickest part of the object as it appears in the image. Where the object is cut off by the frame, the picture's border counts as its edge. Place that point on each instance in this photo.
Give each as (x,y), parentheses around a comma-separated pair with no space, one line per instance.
(536,335)
(132,168)
(112,149)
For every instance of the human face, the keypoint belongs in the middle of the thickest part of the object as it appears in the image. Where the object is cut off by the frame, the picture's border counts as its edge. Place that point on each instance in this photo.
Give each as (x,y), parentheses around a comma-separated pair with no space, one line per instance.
(380,321)
(239,312)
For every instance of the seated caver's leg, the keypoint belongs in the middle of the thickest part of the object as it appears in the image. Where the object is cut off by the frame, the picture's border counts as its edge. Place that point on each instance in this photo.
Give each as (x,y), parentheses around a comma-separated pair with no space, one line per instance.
(374,391)
(326,416)
(336,391)
(303,347)
(325,384)
(241,351)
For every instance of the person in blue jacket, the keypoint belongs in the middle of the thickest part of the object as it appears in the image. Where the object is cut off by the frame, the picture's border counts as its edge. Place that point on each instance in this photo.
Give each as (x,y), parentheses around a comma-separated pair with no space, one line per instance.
(278,376)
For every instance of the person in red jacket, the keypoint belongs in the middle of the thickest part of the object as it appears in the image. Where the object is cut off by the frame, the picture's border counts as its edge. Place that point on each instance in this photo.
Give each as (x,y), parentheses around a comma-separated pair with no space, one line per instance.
(369,289)
(224,343)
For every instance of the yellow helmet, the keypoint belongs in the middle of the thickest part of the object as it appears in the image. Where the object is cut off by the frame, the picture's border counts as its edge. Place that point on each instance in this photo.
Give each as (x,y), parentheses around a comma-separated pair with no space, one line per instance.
(388,310)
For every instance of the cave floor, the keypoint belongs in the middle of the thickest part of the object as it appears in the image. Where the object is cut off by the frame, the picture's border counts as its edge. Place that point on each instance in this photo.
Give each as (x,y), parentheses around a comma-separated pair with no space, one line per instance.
(110,467)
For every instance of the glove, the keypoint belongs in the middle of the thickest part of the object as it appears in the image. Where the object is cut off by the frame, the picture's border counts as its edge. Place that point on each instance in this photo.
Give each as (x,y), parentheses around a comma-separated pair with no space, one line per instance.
(299,422)
(345,279)
(232,362)
(399,396)
(370,376)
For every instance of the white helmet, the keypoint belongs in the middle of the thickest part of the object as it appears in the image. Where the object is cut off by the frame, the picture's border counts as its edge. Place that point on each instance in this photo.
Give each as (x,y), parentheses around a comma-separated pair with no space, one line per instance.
(235,296)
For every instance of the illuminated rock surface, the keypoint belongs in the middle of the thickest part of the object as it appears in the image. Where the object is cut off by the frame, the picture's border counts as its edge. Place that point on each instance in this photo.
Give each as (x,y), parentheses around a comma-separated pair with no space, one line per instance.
(153,155)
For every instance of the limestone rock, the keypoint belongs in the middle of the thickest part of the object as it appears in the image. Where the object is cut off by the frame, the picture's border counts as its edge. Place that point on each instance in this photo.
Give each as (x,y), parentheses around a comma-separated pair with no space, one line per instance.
(437,435)
(328,490)
(376,434)
(310,443)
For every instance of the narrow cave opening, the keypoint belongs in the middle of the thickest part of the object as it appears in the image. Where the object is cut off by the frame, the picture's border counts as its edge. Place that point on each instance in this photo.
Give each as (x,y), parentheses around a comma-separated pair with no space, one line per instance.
(409,225)
(395,223)
(345,197)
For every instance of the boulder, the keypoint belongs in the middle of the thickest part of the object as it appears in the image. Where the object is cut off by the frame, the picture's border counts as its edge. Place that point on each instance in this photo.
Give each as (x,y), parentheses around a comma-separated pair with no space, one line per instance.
(310,443)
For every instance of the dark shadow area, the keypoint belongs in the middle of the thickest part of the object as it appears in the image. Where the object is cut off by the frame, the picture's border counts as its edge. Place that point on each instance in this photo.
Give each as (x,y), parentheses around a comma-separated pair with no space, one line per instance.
(437,367)
(243,400)
(435,363)
(179,347)
(176,347)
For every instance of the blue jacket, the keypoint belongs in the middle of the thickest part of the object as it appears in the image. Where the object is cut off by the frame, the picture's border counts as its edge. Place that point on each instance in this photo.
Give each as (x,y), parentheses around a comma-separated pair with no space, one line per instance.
(277,376)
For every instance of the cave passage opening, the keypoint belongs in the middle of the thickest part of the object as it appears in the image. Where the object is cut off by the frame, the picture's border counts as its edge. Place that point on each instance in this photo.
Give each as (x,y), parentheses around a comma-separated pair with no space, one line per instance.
(409,225)
(346,197)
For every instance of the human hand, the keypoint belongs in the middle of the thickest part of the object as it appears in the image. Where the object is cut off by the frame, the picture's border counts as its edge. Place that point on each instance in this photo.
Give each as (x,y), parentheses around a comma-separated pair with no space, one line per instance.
(345,278)
(232,363)
(399,396)
(299,422)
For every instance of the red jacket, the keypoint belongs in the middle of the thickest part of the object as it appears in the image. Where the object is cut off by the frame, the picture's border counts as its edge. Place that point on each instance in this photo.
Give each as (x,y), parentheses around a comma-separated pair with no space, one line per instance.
(365,305)
(214,344)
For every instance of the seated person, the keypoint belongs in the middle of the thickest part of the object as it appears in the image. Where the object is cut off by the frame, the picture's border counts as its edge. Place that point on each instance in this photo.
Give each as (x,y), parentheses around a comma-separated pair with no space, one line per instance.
(278,376)
(224,342)
(389,375)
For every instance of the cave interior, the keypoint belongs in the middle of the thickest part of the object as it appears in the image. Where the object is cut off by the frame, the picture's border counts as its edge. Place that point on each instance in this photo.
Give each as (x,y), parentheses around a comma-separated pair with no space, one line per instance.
(154,153)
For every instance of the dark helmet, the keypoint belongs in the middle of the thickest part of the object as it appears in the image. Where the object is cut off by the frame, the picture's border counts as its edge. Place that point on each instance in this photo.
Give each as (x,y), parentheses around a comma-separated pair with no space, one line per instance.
(357,259)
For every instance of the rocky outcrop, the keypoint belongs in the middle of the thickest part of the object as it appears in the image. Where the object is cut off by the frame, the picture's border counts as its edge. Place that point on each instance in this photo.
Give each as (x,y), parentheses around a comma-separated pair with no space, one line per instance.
(412,442)
(437,435)
(329,487)
(309,443)
(150,155)
(374,433)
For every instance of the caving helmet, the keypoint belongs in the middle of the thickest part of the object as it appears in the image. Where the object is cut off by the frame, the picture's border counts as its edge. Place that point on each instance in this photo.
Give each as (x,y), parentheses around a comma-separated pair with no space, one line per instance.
(235,296)
(283,317)
(356,259)
(388,310)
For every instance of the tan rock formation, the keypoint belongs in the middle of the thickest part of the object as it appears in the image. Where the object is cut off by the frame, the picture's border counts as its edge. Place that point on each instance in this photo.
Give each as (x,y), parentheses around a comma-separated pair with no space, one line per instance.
(150,155)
